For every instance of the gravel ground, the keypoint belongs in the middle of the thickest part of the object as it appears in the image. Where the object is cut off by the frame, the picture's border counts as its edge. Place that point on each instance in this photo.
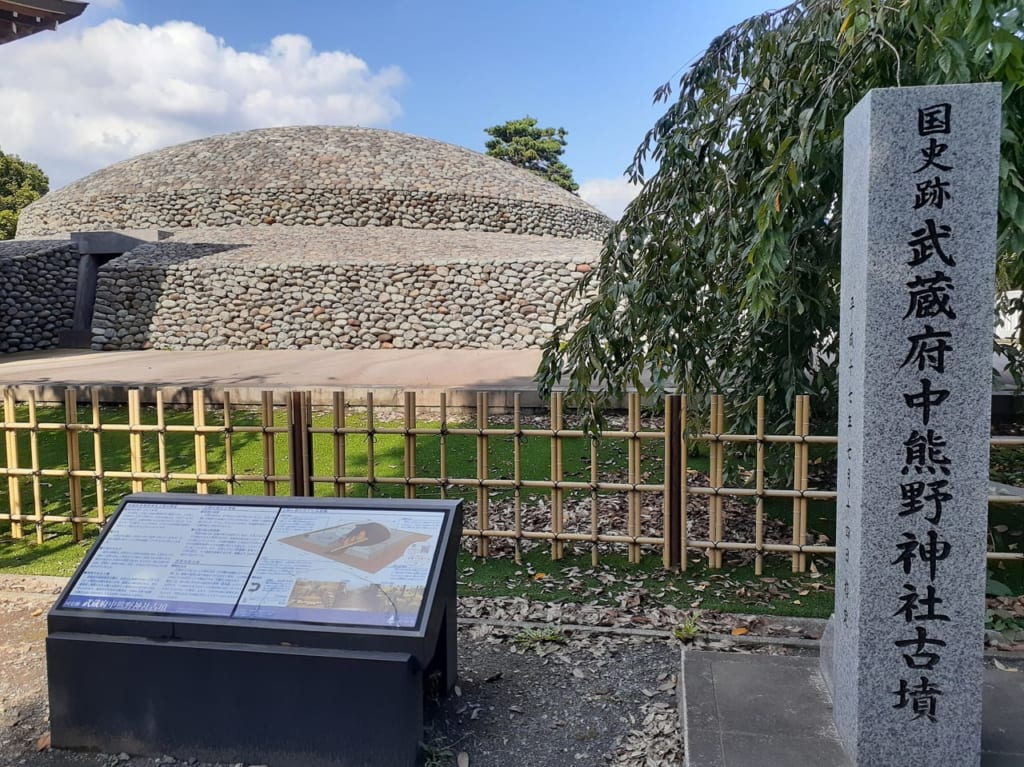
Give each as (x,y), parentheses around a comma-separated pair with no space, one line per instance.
(534,693)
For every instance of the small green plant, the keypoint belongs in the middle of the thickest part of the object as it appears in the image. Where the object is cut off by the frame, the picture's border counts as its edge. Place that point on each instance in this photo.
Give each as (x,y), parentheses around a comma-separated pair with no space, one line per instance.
(530,638)
(437,752)
(1006,622)
(689,628)
(994,588)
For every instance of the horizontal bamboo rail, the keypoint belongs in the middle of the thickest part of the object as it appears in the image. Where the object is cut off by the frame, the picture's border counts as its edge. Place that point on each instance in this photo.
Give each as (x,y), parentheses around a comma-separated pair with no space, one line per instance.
(151,451)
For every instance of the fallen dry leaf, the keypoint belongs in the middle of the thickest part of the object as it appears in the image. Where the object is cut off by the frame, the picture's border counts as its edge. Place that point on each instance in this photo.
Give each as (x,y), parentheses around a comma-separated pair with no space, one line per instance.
(36,613)
(738,632)
(43,743)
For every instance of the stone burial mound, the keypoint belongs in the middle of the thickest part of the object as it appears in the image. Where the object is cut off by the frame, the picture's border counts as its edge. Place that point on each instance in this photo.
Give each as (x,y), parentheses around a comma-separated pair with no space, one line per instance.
(283,238)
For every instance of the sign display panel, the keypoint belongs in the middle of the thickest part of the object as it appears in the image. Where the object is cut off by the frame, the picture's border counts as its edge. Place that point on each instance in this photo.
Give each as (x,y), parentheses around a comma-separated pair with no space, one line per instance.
(323,563)
(174,558)
(346,566)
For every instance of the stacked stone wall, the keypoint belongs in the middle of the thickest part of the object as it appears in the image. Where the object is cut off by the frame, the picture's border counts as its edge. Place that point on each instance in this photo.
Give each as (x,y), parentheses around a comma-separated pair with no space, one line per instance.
(38,280)
(423,304)
(412,209)
(315,176)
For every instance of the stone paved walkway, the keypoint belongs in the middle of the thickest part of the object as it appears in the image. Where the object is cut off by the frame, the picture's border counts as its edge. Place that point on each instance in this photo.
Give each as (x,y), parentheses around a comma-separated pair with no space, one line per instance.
(387,372)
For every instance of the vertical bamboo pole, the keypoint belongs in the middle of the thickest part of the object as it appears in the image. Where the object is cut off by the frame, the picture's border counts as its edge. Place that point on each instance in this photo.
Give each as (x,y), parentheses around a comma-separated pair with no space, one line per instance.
(300,443)
(135,439)
(443,445)
(804,430)
(799,504)
(720,531)
(74,464)
(595,504)
(33,445)
(634,453)
(666,492)
(199,420)
(308,454)
(13,484)
(717,473)
(339,443)
(161,440)
(293,404)
(269,454)
(229,454)
(483,516)
(97,444)
(671,483)
(759,486)
(804,484)
(517,476)
(557,493)
(684,490)
(410,444)
(371,477)
(795,539)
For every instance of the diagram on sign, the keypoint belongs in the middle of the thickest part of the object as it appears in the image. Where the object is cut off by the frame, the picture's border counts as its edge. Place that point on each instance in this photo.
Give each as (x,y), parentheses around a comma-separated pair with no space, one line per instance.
(344,566)
(367,545)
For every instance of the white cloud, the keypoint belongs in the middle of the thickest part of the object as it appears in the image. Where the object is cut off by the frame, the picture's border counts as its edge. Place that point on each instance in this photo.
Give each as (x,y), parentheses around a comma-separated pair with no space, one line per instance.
(76,102)
(609,195)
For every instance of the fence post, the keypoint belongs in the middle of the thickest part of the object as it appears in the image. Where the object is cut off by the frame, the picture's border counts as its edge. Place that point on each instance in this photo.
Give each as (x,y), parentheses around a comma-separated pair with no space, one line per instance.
(97,452)
(635,455)
(557,493)
(340,462)
(300,443)
(716,531)
(33,444)
(74,465)
(135,439)
(199,424)
(483,516)
(13,486)
(671,556)
(409,460)
(269,456)
(684,489)
(800,452)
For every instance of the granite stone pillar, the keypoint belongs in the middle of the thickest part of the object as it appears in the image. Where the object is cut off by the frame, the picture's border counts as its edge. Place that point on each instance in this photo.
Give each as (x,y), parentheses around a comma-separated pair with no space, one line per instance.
(920,187)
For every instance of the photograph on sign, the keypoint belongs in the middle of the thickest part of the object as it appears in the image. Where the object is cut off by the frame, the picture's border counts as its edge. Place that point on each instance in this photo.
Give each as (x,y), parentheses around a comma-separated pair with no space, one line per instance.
(344,566)
(190,559)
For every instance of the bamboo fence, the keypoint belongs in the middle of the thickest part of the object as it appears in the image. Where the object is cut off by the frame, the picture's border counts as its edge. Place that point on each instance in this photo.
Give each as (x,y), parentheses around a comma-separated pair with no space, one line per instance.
(108,452)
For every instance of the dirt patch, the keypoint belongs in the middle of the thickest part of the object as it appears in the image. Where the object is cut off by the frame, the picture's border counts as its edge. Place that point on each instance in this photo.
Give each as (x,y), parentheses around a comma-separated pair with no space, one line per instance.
(540,685)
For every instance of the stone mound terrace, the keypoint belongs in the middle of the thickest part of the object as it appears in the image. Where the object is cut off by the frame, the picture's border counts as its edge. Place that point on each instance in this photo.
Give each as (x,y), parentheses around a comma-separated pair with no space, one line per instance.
(314,176)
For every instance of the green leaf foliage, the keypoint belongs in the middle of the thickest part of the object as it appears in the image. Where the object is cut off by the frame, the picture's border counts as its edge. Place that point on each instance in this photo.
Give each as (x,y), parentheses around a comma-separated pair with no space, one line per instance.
(539,150)
(20,184)
(723,274)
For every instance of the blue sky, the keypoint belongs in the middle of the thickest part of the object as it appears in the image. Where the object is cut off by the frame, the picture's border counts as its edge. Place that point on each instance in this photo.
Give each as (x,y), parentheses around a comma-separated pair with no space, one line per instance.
(130,76)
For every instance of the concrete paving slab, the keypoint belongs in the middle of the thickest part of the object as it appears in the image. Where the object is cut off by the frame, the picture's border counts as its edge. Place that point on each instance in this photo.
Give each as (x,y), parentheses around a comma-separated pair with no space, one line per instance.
(741,710)
(386,372)
(765,711)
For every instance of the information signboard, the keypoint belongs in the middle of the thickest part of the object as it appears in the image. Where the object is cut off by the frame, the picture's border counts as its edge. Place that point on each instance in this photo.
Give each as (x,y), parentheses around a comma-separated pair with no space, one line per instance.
(217,611)
(356,566)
